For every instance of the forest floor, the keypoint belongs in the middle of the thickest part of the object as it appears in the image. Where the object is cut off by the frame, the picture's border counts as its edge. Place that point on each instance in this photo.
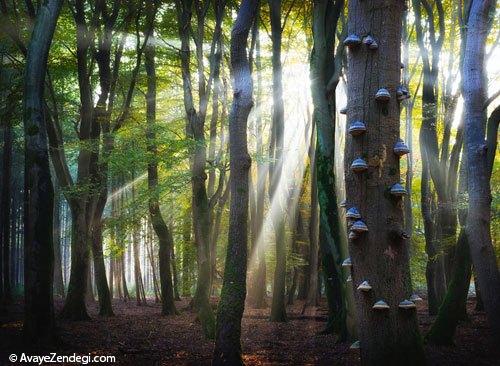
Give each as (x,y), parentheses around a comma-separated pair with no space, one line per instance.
(138,335)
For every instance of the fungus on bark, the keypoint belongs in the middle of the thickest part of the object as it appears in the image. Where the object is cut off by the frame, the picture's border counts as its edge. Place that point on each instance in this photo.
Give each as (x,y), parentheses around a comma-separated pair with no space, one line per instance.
(364,286)
(357,128)
(407,304)
(353,213)
(347,262)
(398,190)
(352,40)
(380,305)
(359,165)
(359,227)
(400,148)
(383,95)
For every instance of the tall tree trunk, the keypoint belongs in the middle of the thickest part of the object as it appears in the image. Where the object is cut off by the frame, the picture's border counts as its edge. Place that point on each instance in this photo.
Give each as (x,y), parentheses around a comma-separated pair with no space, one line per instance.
(278,309)
(175,275)
(312,293)
(38,190)
(105,307)
(74,305)
(58,277)
(258,288)
(227,349)
(479,213)
(440,230)
(388,336)
(160,227)
(195,130)
(186,253)
(139,286)
(325,73)
(453,308)
(5,214)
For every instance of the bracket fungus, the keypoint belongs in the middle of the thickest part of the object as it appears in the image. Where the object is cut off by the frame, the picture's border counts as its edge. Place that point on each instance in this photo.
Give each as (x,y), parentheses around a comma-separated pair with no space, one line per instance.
(353,235)
(415,298)
(364,286)
(352,40)
(353,213)
(355,345)
(359,165)
(383,95)
(398,190)
(402,93)
(407,304)
(359,227)
(380,305)
(349,279)
(400,148)
(357,128)
(343,110)
(373,46)
(347,262)
(343,203)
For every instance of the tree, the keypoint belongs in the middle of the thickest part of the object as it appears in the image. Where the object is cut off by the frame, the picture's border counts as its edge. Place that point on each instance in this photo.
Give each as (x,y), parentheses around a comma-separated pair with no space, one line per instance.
(5,199)
(380,255)
(325,76)
(195,130)
(230,311)
(278,309)
(39,195)
(478,171)
(159,225)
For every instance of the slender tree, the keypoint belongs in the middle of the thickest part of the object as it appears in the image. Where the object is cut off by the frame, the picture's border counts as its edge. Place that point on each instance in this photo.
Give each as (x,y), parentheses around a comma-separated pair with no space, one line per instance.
(325,76)
(230,311)
(388,333)
(160,227)
(479,212)
(278,309)
(39,195)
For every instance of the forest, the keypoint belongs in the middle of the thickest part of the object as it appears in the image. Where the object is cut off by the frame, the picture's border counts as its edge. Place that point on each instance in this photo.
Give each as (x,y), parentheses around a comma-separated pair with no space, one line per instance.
(246,182)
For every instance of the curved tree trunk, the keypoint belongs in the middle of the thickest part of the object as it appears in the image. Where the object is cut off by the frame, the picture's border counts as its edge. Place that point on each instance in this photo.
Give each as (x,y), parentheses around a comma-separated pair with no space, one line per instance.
(230,311)
(103,293)
(39,194)
(161,229)
(478,218)
(325,73)
(380,256)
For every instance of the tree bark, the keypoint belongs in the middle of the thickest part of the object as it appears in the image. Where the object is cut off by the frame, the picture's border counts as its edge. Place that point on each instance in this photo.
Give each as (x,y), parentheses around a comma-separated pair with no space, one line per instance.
(278,309)
(5,214)
(478,218)
(105,307)
(58,277)
(230,310)
(160,227)
(39,195)
(325,73)
(380,256)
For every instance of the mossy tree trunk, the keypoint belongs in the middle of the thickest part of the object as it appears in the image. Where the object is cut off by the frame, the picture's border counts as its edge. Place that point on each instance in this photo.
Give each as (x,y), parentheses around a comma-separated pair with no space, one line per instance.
(325,74)
(39,195)
(230,311)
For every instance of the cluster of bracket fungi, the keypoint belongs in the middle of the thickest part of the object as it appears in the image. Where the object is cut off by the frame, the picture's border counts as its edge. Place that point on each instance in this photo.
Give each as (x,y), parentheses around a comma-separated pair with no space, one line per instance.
(356,129)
